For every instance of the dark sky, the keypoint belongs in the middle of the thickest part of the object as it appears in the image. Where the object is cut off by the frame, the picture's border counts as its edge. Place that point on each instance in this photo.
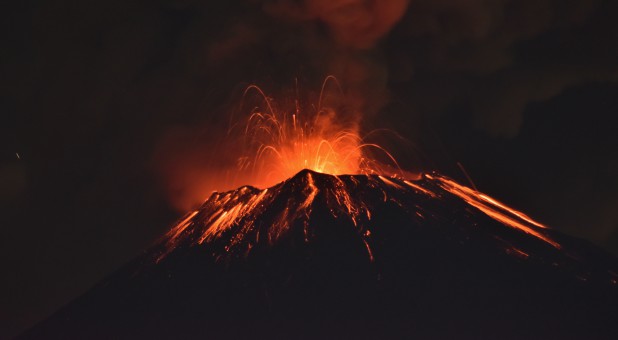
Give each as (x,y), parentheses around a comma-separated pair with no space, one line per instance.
(95,95)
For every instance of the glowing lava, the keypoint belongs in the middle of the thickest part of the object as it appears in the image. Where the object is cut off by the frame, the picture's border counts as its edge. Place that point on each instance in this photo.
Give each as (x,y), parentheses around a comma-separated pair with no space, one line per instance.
(313,168)
(247,217)
(279,144)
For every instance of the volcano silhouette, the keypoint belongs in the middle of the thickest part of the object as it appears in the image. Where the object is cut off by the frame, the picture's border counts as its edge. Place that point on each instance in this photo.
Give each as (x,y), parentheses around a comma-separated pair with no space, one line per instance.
(349,257)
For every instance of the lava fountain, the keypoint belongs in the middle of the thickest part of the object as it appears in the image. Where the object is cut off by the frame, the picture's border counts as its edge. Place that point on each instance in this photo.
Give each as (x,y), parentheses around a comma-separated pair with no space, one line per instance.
(279,144)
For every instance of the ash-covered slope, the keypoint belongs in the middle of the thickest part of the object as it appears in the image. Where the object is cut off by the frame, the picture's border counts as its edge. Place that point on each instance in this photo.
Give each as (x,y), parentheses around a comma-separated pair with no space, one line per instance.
(321,256)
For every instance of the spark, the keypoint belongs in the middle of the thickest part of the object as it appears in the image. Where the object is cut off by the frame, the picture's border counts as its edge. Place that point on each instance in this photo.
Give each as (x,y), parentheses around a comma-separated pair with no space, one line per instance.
(419,188)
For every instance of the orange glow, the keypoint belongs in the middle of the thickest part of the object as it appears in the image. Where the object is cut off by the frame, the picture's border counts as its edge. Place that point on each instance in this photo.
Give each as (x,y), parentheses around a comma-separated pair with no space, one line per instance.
(419,188)
(275,148)
(517,252)
(507,216)
(512,211)
(232,215)
(389,182)
(224,217)
(267,144)
(280,144)
(177,230)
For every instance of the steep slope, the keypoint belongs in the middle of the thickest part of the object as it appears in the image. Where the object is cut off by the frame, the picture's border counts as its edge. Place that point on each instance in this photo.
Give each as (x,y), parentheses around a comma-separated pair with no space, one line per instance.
(322,256)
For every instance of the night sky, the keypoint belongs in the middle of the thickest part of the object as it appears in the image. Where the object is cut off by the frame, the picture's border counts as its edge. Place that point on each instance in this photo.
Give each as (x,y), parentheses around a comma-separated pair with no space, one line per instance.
(110,109)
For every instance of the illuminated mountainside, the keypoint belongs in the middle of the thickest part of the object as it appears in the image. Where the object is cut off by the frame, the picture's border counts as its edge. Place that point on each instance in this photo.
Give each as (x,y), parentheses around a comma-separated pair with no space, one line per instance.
(322,256)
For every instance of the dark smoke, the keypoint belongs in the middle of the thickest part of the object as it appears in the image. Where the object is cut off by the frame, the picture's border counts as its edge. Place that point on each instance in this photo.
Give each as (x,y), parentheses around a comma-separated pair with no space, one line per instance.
(498,56)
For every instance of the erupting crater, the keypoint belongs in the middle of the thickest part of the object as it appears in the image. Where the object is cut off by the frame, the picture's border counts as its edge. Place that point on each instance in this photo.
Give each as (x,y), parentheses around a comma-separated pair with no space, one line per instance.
(241,219)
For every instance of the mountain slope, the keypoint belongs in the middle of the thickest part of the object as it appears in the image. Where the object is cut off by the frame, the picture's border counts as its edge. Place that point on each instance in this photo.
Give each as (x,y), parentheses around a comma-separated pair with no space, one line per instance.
(321,256)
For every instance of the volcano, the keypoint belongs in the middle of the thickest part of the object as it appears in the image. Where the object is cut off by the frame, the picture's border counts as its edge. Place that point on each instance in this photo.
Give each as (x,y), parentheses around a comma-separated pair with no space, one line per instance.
(352,256)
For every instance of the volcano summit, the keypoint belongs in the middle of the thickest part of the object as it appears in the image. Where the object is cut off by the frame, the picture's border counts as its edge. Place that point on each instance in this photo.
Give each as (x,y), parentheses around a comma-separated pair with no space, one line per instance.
(353,256)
